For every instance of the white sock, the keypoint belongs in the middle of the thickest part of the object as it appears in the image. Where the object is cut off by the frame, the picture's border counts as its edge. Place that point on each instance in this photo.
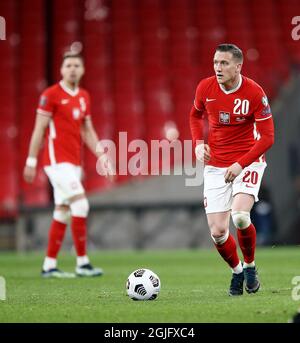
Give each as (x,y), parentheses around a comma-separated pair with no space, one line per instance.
(238,269)
(49,263)
(246,265)
(82,260)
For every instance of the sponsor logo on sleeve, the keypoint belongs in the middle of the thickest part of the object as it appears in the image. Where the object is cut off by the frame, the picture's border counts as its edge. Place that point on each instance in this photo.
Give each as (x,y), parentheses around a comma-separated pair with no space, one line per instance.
(266,111)
(265,101)
(43,100)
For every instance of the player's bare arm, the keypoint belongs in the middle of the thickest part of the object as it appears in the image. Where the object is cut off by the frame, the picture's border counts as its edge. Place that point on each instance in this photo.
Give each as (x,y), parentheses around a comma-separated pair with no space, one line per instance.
(41,124)
(90,138)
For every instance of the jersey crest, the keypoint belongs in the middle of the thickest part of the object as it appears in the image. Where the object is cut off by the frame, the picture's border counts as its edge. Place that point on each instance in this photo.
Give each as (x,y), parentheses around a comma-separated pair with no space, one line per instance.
(224,117)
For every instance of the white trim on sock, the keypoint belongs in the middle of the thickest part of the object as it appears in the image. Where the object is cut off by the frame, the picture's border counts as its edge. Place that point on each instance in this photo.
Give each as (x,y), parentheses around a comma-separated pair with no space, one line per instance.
(238,269)
(82,260)
(49,263)
(222,239)
(246,265)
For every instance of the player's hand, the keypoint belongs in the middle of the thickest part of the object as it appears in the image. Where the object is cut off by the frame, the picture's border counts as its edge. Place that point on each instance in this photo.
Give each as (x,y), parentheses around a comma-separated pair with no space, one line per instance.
(232,172)
(105,167)
(29,174)
(202,152)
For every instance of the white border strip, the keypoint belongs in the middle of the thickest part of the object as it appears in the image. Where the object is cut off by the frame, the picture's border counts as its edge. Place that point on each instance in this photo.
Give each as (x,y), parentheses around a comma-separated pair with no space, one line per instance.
(44,113)
(264,118)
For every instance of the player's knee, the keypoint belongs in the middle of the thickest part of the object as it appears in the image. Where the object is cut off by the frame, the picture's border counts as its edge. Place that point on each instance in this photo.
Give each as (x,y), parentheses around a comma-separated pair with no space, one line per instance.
(80,208)
(219,233)
(241,219)
(220,238)
(62,215)
(218,228)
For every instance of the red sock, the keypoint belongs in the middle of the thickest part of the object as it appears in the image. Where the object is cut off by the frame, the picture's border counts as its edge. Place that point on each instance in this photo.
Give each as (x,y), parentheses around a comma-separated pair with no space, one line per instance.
(247,241)
(229,252)
(56,236)
(78,226)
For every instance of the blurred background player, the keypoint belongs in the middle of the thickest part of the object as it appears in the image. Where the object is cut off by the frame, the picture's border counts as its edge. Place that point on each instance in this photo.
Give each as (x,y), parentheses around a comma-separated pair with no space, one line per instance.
(64,117)
(240,132)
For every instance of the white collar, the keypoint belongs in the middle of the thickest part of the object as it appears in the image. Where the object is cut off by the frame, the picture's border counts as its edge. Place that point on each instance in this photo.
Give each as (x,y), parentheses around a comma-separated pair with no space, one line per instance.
(68,90)
(233,89)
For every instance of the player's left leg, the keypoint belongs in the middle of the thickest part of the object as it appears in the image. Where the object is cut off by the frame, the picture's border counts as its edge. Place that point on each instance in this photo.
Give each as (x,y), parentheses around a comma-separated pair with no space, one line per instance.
(79,209)
(246,233)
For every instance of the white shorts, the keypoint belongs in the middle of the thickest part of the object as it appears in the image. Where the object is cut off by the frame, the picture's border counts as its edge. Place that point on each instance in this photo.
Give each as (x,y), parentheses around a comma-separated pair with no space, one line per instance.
(218,195)
(65,179)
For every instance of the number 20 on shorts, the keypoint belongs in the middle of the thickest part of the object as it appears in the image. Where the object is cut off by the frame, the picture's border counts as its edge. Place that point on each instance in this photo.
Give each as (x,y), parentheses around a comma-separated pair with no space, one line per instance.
(251,177)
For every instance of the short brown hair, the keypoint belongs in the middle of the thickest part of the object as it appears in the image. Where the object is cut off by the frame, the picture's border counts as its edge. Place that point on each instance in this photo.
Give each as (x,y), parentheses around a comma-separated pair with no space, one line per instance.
(71,54)
(236,51)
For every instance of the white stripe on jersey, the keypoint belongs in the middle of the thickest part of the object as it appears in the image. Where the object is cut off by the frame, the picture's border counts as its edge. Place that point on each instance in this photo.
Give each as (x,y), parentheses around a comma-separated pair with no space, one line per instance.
(196,106)
(52,135)
(52,130)
(263,118)
(44,113)
(255,133)
(257,137)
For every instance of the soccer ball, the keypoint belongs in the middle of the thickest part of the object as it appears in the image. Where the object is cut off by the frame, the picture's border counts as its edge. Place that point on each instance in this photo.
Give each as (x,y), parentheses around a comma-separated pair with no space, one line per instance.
(143,284)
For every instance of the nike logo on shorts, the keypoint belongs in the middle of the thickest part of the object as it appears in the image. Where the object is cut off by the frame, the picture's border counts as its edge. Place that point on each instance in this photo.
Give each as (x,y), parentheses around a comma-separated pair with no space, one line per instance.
(208,100)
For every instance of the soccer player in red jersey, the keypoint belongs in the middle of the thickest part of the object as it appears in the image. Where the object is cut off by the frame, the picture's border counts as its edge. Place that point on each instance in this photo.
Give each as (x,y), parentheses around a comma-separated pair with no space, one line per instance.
(64,117)
(240,131)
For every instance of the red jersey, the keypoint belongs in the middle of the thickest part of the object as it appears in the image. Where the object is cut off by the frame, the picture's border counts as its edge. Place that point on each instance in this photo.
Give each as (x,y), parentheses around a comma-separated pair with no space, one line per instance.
(67,109)
(232,118)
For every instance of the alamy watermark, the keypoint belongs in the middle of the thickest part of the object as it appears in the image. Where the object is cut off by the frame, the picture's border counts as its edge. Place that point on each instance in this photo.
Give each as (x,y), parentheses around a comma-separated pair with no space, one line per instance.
(157,157)
(296,289)
(295,33)
(2,288)
(2,28)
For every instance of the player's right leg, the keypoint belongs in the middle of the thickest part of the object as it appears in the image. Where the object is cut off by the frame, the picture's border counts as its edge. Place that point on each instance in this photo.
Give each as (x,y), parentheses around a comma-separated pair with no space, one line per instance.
(56,235)
(218,198)
(226,246)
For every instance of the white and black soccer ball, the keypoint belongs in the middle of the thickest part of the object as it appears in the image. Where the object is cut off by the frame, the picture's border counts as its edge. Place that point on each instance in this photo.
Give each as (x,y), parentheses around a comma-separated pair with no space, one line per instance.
(143,284)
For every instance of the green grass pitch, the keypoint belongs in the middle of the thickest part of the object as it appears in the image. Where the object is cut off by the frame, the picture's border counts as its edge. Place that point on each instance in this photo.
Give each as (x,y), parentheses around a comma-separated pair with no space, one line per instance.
(194,289)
